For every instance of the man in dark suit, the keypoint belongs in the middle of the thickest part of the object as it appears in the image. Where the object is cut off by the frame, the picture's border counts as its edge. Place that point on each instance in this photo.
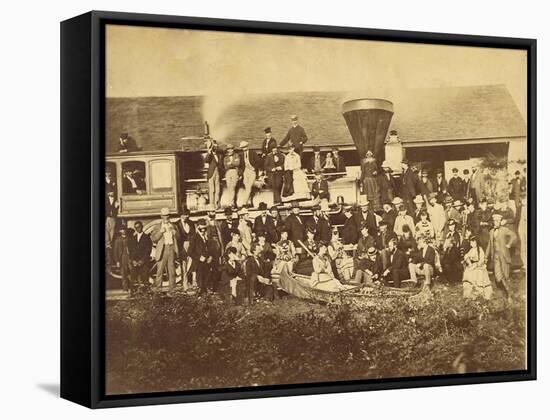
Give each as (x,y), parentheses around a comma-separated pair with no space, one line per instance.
(320,223)
(231,272)
(267,145)
(423,262)
(126,144)
(202,251)
(264,223)
(408,187)
(231,222)
(350,231)
(295,225)
(366,216)
(277,223)
(440,185)
(185,227)
(215,167)
(121,253)
(255,275)
(456,186)
(386,183)
(518,190)
(398,268)
(140,246)
(274,168)
(296,135)
(316,163)
(319,188)
(339,161)
(389,215)
(111,212)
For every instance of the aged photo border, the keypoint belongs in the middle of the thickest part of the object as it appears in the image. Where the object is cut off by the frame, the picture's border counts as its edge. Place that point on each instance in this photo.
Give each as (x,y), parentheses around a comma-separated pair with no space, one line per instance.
(83,116)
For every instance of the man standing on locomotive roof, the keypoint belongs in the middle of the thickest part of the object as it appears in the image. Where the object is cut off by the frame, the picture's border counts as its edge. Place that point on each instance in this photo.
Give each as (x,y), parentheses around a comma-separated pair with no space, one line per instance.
(165,236)
(267,146)
(250,162)
(296,135)
(274,168)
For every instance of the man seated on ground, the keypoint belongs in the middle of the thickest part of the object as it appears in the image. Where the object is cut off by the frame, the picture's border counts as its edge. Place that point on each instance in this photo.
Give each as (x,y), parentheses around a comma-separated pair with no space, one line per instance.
(369,267)
(255,274)
(423,261)
(231,282)
(398,268)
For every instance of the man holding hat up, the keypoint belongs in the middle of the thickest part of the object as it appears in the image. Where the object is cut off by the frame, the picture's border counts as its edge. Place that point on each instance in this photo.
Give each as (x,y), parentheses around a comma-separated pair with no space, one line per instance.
(296,135)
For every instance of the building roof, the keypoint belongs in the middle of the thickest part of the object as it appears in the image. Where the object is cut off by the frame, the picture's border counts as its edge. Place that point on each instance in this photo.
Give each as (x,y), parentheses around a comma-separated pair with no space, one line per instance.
(451,113)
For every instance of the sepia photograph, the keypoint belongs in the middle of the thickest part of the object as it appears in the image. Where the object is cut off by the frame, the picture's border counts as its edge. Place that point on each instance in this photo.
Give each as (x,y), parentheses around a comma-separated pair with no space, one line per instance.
(289,209)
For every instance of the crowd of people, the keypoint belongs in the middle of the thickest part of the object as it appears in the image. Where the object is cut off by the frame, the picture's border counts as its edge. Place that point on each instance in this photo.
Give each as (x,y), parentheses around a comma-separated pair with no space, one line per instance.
(412,238)
(280,166)
(408,229)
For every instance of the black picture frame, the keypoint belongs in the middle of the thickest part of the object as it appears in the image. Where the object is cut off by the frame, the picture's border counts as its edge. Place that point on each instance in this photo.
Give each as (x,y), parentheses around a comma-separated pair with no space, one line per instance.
(82,161)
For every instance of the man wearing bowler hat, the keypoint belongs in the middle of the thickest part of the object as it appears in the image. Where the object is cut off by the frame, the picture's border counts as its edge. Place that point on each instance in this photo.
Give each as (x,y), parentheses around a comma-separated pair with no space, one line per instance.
(296,135)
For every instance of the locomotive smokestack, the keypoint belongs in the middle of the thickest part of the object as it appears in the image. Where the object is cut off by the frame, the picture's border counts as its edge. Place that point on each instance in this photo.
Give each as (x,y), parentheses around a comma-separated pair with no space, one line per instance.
(368,121)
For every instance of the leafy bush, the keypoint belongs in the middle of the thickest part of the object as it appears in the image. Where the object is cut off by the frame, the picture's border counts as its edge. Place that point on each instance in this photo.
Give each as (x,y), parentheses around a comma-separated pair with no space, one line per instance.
(156,343)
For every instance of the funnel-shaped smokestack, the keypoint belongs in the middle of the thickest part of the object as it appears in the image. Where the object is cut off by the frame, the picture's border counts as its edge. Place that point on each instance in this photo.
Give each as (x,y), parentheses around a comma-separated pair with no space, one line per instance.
(368,121)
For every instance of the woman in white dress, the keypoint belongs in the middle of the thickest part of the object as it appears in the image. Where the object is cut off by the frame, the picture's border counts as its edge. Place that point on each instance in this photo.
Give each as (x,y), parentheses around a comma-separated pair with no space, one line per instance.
(322,277)
(476,279)
(300,186)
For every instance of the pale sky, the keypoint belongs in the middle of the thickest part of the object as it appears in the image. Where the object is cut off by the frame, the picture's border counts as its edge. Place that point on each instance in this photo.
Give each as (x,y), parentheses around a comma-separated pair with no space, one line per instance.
(175,62)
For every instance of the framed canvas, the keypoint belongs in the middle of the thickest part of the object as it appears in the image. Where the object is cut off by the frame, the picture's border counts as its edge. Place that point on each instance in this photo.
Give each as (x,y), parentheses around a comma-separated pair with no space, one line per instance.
(257,209)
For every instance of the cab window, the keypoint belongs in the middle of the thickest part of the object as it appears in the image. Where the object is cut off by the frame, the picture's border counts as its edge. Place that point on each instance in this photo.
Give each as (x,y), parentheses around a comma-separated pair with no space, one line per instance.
(133,178)
(161,176)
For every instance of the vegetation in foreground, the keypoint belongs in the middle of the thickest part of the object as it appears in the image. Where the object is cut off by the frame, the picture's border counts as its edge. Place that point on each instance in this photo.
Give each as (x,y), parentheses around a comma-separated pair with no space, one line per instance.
(159,343)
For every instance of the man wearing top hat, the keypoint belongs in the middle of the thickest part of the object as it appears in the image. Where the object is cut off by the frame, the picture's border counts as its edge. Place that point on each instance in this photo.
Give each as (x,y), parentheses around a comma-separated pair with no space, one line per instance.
(165,237)
(296,135)
(501,239)
(456,186)
(274,167)
(231,222)
(268,144)
(264,223)
(250,161)
(295,225)
(321,223)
